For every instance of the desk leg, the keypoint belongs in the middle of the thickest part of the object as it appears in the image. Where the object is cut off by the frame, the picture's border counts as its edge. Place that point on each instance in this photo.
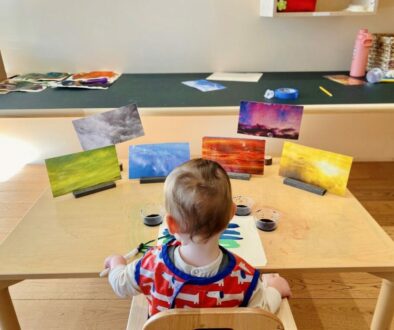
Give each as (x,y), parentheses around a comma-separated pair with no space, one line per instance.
(8,319)
(384,309)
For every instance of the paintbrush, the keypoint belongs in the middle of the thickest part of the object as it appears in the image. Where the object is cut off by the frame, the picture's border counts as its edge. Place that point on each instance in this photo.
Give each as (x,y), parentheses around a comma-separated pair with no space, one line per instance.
(142,247)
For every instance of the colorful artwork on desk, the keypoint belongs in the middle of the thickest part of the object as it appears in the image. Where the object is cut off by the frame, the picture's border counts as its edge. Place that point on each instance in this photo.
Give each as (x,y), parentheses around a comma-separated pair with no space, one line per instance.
(154,160)
(37,77)
(270,120)
(89,80)
(82,170)
(109,127)
(240,237)
(6,87)
(12,85)
(318,167)
(96,84)
(345,80)
(111,76)
(234,154)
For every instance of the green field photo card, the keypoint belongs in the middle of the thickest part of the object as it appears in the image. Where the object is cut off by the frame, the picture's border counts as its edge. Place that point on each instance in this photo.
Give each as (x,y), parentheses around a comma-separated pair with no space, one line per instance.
(82,170)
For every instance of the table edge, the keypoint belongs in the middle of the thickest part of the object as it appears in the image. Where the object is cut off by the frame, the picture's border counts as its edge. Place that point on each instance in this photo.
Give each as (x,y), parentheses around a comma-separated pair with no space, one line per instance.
(194,111)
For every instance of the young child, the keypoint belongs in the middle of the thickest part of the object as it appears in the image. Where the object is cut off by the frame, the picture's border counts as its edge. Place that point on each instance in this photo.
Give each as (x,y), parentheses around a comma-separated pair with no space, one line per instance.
(193,270)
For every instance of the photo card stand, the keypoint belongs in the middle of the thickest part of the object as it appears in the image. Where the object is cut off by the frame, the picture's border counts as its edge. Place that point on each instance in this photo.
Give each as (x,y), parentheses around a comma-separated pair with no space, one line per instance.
(152,179)
(267,160)
(94,189)
(239,176)
(305,186)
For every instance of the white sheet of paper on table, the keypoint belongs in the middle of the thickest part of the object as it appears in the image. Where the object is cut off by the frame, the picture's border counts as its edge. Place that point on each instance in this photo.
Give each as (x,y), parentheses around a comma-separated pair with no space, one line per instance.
(250,247)
(235,76)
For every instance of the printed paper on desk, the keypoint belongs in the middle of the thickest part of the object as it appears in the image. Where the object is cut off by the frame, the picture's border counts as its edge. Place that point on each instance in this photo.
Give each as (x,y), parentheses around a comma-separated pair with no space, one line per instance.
(235,76)
(241,237)
(11,85)
(204,85)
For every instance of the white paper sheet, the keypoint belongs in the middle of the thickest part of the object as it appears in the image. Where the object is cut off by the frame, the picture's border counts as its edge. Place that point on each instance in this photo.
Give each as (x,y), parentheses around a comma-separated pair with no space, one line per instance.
(250,246)
(235,76)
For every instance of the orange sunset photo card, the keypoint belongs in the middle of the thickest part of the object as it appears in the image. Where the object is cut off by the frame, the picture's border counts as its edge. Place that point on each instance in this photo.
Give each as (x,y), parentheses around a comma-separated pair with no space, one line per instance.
(234,154)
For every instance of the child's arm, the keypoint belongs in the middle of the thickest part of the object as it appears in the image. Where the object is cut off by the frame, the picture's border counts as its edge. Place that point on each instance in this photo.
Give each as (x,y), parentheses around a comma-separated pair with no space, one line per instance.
(269,292)
(121,276)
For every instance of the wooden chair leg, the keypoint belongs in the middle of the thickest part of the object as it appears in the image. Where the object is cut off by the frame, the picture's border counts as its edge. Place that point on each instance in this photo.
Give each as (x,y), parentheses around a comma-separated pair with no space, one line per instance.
(286,316)
(138,313)
(384,309)
(8,318)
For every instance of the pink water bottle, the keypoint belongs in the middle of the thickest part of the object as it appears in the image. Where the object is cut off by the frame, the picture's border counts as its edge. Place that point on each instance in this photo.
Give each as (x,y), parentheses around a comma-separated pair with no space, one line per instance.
(360,53)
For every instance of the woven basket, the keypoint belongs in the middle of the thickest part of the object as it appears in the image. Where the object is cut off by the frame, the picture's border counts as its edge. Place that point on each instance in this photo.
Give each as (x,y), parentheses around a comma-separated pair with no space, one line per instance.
(381,54)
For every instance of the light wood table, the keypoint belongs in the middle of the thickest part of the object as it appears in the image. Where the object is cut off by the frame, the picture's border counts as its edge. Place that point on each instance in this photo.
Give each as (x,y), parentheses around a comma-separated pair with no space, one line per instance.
(69,238)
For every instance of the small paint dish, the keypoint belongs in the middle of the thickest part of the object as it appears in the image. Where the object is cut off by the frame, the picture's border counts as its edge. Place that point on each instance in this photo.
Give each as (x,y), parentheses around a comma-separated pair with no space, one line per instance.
(266,219)
(152,214)
(266,224)
(244,205)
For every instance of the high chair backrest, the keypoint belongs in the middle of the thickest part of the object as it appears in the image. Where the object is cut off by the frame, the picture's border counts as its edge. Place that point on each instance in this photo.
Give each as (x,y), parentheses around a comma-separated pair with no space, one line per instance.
(214,318)
(209,318)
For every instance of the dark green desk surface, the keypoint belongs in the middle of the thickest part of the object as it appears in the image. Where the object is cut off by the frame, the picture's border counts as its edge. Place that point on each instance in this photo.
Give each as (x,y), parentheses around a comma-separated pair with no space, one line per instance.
(166,90)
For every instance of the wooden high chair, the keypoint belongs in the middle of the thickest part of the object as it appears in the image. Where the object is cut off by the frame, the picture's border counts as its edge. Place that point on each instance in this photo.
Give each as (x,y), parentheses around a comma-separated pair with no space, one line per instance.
(209,318)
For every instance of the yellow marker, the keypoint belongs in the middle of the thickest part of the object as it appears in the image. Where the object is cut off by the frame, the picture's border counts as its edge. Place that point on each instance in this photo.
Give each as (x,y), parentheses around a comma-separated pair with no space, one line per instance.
(390,80)
(325,91)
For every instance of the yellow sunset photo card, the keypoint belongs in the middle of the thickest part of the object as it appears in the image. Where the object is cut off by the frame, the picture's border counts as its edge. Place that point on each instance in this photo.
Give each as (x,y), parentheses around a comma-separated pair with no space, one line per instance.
(322,168)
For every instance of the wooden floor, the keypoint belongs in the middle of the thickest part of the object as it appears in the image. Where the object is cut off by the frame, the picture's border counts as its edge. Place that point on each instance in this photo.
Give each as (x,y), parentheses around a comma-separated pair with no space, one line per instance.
(335,301)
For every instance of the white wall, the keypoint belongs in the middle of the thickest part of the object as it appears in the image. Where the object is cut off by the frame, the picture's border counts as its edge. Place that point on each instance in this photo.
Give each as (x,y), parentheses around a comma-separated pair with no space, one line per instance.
(187,36)
(174,36)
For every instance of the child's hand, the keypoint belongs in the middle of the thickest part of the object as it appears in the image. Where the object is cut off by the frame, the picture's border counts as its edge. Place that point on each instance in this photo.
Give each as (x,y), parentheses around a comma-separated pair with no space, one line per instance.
(114,260)
(279,283)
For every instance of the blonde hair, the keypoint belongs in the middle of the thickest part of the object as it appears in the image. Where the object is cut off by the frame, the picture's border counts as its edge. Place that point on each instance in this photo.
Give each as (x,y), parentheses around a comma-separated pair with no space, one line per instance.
(198,197)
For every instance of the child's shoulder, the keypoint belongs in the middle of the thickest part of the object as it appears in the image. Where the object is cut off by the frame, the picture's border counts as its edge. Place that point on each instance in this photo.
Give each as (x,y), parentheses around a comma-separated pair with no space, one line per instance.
(240,263)
(153,251)
(156,253)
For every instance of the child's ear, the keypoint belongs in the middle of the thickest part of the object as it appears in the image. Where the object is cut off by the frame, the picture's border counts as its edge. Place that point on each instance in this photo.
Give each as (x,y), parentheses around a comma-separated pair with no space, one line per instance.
(233,210)
(172,225)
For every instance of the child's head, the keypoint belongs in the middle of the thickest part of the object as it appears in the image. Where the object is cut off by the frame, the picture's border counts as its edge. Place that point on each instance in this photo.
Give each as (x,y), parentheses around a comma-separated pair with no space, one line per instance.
(198,198)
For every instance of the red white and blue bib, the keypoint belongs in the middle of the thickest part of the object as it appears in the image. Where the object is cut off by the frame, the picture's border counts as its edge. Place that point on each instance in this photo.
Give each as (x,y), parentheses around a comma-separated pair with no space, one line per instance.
(167,287)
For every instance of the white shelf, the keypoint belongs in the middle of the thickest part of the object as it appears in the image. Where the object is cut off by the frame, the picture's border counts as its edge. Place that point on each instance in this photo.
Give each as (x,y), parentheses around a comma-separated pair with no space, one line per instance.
(268,9)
